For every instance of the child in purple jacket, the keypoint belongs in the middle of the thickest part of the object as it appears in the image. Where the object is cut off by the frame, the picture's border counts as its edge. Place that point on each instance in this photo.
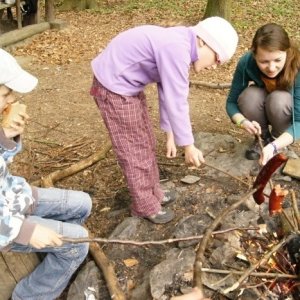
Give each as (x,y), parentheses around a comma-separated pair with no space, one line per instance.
(153,54)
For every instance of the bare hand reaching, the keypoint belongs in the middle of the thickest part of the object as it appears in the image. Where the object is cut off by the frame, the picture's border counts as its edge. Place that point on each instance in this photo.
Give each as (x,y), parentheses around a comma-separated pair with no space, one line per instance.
(252,127)
(193,156)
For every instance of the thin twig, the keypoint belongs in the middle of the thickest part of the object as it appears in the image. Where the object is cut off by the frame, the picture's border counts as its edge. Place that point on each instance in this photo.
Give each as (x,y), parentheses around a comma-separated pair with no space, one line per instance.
(262,261)
(295,207)
(200,253)
(210,85)
(254,274)
(228,174)
(291,223)
(143,243)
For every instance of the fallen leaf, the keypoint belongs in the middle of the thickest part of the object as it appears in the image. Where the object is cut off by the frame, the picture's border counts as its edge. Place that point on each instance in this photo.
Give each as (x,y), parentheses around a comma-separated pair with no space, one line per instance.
(130,262)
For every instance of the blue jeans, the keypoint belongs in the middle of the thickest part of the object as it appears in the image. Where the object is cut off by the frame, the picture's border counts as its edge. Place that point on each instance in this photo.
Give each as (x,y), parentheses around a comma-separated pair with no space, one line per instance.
(63,211)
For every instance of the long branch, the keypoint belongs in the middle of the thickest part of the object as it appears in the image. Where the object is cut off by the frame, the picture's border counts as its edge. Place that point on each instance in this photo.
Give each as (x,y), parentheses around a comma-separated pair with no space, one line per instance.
(226,173)
(254,274)
(210,85)
(200,253)
(143,243)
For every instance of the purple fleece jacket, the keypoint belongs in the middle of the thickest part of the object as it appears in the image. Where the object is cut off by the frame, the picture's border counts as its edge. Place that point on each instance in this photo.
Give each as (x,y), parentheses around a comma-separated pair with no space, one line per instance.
(153,54)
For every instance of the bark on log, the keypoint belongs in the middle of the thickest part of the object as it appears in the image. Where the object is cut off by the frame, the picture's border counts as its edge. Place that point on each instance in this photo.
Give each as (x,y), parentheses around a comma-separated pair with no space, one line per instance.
(49,180)
(103,263)
(18,35)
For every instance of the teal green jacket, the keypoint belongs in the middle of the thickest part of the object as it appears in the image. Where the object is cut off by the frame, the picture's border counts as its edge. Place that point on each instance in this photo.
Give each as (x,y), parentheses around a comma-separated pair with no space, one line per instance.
(247,72)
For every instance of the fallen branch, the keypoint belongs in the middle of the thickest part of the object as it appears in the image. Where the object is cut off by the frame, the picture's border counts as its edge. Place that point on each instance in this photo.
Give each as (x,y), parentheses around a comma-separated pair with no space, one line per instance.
(254,274)
(226,173)
(295,207)
(108,271)
(83,164)
(262,261)
(97,253)
(143,243)
(200,252)
(210,85)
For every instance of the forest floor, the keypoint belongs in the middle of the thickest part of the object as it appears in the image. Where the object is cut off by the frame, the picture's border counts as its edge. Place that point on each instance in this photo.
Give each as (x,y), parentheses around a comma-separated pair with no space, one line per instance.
(65,125)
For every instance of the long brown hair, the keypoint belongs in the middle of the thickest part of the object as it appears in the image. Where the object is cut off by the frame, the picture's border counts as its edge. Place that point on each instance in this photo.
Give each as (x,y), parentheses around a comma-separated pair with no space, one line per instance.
(273,37)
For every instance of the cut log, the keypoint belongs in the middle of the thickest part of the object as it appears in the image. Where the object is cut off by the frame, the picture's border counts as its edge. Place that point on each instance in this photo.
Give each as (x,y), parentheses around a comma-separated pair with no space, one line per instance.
(18,35)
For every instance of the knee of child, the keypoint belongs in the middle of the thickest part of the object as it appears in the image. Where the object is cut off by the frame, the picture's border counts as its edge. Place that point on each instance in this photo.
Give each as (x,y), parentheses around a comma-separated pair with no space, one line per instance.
(87,203)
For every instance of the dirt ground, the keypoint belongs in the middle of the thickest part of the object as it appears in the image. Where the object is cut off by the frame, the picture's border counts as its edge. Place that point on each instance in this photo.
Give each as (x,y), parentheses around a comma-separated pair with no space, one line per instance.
(66,127)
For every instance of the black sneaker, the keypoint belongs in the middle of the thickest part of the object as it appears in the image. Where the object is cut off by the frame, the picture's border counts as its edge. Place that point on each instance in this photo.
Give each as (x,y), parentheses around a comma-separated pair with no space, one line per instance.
(162,217)
(169,197)
(253,152)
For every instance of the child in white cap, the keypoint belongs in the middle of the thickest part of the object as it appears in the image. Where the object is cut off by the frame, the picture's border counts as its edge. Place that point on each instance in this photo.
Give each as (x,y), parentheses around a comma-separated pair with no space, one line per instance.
(153,54)
(35,219)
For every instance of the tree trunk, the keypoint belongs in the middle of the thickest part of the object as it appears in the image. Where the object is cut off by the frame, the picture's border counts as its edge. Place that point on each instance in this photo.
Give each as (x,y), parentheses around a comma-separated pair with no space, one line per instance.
(221,8)
(78,5)
(49,10)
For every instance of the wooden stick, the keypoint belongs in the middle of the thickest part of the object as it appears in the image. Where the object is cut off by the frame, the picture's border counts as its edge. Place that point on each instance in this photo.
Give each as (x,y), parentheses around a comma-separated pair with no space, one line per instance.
(226,173)
(108,271)
(262,261)
(254,274)
(143,243)
(210,85)
(200,252)
(295,207)
(57,175)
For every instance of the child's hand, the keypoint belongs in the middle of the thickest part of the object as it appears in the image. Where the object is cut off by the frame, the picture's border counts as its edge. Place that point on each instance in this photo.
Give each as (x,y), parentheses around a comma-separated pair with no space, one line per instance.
(44,237)
(17,126)
(171,147)
(193,156)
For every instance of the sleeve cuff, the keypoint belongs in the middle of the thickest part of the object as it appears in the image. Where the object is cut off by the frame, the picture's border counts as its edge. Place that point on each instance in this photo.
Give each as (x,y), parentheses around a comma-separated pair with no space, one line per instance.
(25,233)
(5,142)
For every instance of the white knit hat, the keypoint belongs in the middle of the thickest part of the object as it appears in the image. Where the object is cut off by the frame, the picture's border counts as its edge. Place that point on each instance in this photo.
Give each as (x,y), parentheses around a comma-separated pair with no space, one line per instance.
(13,76)
(219,35)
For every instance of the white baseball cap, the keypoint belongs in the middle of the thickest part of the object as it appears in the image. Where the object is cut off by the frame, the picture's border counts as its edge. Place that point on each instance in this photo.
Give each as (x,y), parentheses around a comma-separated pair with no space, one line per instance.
(13,76)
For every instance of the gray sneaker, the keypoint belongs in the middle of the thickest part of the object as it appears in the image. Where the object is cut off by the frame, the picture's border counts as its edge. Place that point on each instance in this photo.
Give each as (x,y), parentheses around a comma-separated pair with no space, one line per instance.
(169,197)
(162,217)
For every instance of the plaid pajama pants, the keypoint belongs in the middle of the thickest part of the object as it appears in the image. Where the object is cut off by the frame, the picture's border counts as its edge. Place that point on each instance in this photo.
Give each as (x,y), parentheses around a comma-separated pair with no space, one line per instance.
(133,141)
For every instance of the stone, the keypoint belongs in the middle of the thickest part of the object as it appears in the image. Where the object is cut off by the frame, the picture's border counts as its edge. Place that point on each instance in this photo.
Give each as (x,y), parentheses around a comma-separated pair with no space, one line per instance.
(225,153)
(178,262)
(190,179)
(292,168)
(86,285)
